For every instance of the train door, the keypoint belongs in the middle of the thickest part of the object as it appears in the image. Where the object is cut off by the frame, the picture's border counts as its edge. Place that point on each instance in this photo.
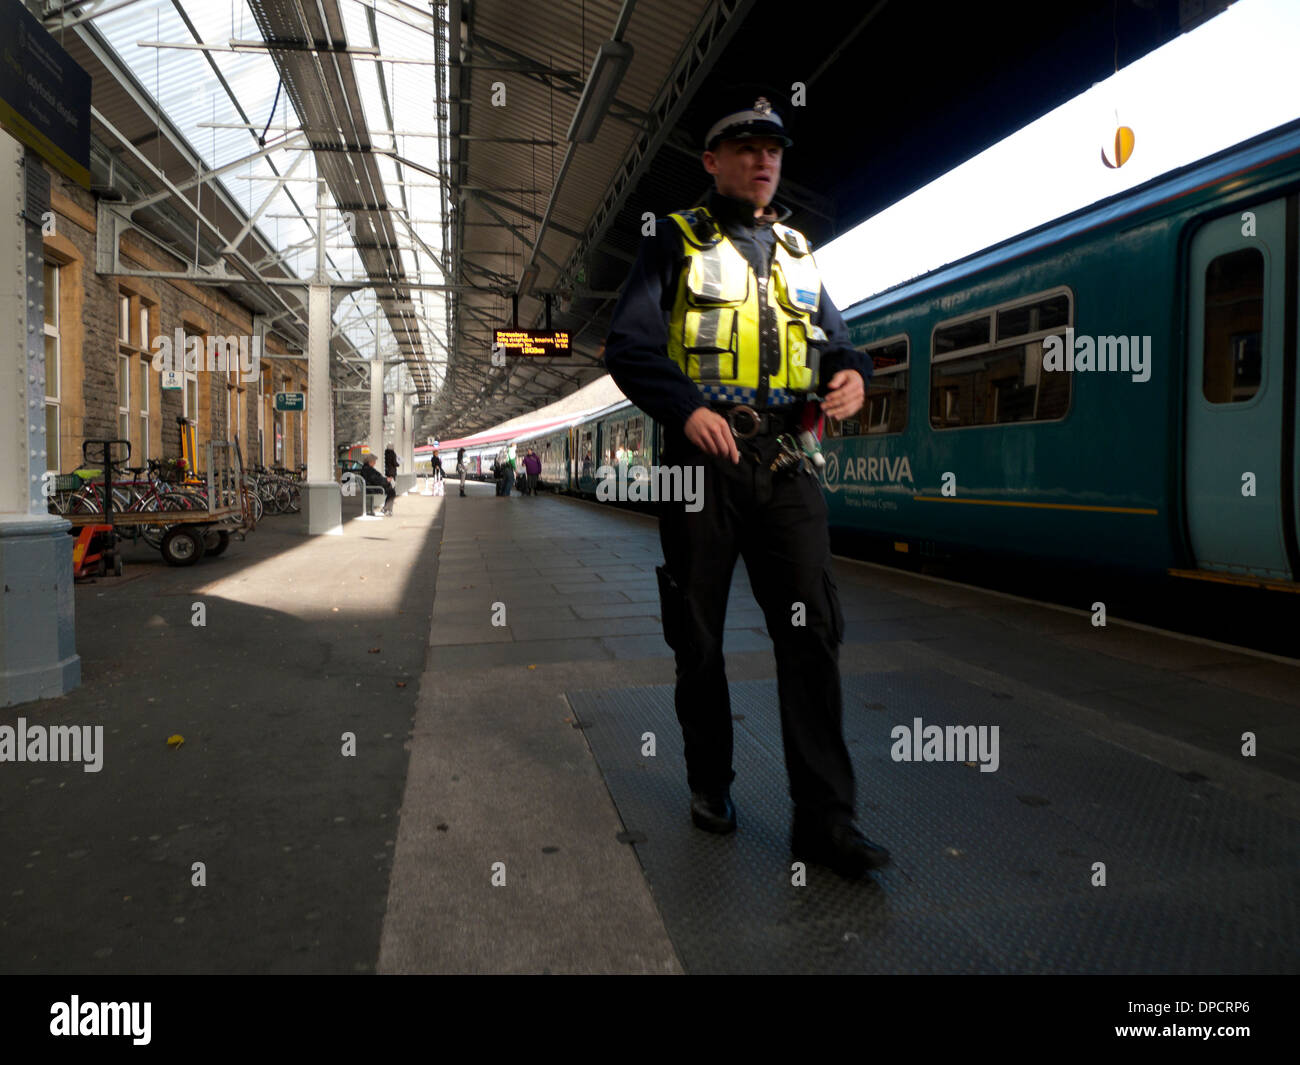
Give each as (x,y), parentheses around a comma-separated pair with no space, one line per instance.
(1240,470)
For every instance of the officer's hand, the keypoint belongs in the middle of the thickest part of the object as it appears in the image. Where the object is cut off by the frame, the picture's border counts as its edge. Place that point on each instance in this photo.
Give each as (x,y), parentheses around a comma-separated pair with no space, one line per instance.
(844,395)
(708,430)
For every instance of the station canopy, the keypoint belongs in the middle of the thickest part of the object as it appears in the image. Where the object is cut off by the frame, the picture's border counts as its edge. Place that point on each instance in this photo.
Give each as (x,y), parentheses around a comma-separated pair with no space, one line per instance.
(482,165)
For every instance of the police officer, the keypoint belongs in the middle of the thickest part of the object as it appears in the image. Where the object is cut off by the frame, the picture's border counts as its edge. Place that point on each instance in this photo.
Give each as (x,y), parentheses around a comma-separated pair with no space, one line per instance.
(724,334)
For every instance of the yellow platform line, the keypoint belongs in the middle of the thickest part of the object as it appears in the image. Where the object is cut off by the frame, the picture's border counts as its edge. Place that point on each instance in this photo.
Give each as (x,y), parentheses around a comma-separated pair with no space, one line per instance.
(1229,578)
(1040,506)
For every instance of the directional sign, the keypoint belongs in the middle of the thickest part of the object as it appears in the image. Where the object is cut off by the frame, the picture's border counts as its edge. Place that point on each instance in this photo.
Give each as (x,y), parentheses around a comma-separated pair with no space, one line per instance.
(290,400)
(531,342)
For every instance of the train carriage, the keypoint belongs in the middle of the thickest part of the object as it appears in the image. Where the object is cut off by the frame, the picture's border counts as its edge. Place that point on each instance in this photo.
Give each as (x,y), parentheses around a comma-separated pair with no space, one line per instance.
(1117,386)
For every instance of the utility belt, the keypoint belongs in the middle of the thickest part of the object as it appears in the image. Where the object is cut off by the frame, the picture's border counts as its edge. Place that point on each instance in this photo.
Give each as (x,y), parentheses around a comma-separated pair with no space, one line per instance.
(747,423)
(773,437)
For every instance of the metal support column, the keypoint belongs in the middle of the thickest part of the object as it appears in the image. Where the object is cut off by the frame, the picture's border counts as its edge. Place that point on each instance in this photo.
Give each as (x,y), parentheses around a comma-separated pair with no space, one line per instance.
(399,437)
(376,438)
(408,442)
(38,654)
(410,433)
(323,498)
(399,431)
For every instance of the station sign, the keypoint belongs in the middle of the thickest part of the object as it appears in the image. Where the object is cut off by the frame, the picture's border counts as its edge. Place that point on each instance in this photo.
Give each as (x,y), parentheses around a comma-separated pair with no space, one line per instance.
(290,401)
(531,342)
(44,94)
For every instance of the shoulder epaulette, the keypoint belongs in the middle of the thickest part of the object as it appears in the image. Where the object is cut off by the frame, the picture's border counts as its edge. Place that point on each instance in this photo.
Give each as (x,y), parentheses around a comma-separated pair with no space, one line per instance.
(698,225)
(794,241)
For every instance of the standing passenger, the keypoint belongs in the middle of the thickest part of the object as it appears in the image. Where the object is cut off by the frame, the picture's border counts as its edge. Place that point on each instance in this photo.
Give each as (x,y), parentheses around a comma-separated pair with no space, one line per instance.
(533,467)
(512,464)
(460,468)
(499,471)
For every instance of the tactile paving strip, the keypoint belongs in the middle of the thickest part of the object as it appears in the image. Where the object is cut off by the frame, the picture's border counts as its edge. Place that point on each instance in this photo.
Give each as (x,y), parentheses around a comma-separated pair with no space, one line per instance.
(991,872)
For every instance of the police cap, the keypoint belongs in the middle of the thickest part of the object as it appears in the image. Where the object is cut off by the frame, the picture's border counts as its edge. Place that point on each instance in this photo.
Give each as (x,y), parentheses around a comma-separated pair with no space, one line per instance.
(749,115)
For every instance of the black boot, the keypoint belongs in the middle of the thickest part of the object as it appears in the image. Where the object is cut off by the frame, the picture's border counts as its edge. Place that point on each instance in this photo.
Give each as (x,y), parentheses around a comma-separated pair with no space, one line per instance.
(840,846)
(713,813)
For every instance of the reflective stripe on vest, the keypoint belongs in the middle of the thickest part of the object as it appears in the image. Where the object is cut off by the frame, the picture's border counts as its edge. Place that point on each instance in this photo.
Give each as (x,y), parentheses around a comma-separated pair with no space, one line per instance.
(713,331)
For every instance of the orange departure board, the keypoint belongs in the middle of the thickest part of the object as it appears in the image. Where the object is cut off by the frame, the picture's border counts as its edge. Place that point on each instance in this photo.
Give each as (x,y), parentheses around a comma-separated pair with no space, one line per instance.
(531,342)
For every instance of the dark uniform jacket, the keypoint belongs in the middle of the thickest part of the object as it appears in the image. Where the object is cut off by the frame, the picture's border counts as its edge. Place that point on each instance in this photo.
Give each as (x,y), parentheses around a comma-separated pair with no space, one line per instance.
(636,349)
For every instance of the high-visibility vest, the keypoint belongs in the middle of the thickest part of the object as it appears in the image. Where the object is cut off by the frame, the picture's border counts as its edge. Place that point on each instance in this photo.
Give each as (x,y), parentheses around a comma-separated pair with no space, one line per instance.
(722,308)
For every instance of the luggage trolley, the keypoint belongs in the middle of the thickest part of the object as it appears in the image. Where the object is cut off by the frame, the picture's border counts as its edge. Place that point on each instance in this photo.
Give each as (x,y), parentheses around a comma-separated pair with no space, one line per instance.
(215,510)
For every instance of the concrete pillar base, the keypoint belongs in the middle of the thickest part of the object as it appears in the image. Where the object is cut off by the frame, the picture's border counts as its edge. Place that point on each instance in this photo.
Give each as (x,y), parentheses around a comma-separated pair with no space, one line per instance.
(322,508)
(403,483)
(38,650)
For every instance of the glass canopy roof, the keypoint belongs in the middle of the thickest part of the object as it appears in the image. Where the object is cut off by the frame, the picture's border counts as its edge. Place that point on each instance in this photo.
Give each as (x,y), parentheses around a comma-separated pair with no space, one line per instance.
(205,65)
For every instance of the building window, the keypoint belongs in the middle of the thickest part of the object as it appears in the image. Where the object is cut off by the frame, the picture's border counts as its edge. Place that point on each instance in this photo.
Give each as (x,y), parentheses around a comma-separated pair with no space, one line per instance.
(190,401)
(279,428)
(144,455)
(146,365)
(124,368)
(1234,324)
(262,379)
(53,373)
(124,397)
(987,369)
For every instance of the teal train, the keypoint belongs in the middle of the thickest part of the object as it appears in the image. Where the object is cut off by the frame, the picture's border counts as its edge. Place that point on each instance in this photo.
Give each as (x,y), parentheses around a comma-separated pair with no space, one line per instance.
(1116,387)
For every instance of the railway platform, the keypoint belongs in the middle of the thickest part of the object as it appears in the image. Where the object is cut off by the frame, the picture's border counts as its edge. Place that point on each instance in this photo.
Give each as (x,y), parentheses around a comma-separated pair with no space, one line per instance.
(501,811)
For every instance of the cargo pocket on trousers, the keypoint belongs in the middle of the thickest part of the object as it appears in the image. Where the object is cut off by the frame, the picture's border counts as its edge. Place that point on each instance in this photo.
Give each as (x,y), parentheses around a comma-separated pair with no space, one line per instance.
(833,602)
(672,608)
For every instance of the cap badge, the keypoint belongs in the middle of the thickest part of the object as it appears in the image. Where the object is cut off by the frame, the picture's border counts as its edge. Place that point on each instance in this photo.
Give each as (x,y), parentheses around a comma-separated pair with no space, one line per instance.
(762,106)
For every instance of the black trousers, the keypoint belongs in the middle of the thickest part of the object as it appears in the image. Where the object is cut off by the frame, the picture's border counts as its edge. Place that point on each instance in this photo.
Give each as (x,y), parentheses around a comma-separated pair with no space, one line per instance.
(778,524)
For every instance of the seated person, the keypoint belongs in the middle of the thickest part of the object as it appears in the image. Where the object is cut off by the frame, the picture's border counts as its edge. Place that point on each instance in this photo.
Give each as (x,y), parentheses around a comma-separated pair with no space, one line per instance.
(373,477)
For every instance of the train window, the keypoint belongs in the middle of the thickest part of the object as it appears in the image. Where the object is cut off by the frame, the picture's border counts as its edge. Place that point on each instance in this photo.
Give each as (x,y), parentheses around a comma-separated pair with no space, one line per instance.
(616,444)
(884,409)
(886,405)
(959,336)
(1051,313)
(1234,323)
(635,441)
(1003,382)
